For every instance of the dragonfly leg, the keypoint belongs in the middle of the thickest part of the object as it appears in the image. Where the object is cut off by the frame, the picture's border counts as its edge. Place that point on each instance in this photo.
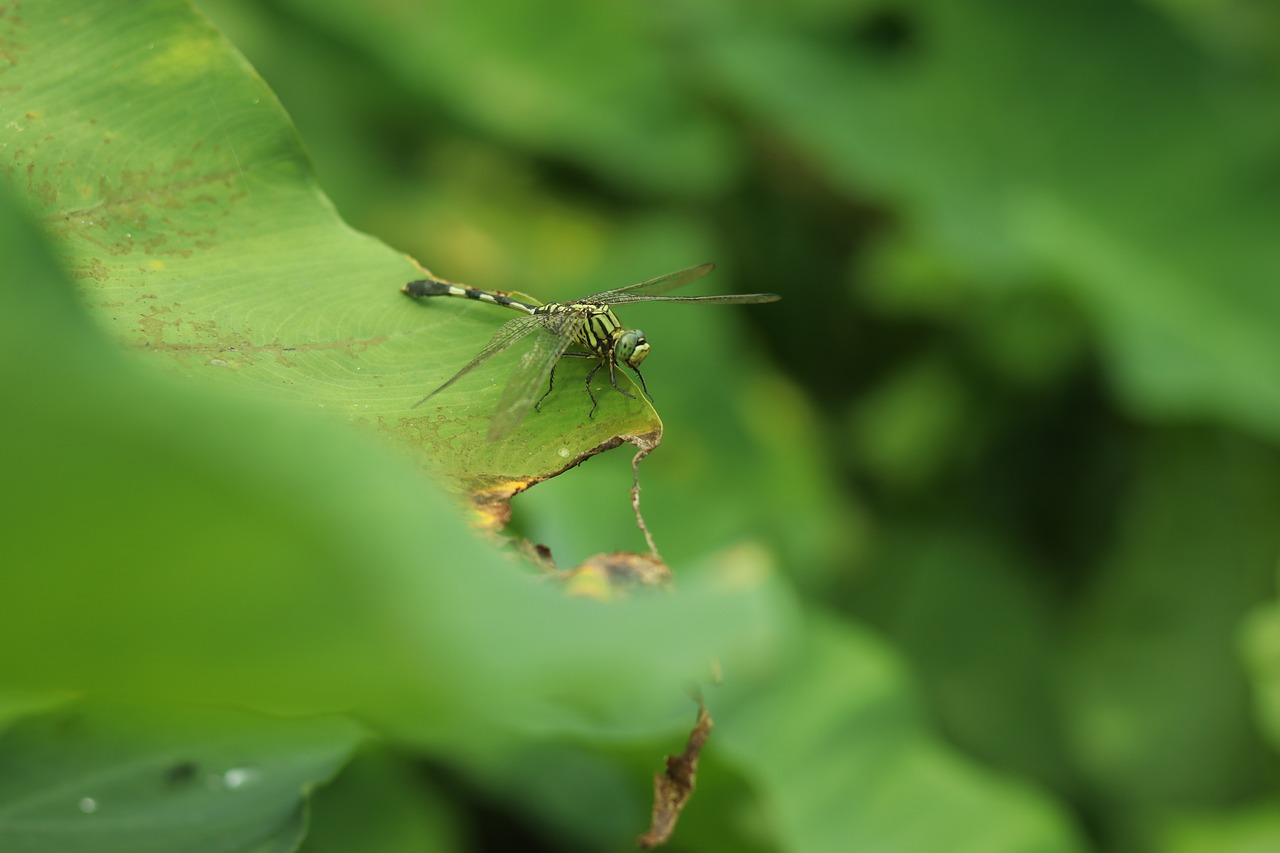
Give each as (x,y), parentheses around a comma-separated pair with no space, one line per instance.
(613,380)
(643,387)
(592,375)
(551,383)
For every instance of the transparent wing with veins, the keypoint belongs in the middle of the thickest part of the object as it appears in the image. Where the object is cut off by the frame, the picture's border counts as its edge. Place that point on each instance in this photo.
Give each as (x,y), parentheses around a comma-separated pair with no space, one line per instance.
(652,290)
(511,333)
(527,381)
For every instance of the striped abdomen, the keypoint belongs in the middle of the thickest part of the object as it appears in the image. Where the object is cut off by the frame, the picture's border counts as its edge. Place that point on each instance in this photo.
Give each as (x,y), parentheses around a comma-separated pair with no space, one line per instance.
(431,287)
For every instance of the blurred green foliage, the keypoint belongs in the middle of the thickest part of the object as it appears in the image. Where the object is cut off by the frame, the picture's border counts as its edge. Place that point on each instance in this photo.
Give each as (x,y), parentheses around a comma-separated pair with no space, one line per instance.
(232,781)
(1010,437)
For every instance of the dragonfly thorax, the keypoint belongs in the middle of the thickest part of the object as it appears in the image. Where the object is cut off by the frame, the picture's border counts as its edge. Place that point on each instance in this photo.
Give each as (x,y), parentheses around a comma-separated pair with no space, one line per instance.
(603,335)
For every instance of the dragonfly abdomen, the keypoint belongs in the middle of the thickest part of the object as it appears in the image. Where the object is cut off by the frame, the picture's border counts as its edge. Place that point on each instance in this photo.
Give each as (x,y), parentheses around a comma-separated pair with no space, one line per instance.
(431,287)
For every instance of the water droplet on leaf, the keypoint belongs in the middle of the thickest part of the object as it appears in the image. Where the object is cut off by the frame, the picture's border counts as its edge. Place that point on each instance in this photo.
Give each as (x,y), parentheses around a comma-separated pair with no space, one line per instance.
(238,777)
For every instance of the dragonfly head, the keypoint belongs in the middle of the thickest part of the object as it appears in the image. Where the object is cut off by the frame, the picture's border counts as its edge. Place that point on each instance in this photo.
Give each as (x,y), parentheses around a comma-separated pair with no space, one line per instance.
(631,348)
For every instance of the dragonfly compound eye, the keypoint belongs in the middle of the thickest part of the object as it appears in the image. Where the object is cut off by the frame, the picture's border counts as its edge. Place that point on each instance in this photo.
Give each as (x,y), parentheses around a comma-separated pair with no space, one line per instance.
(631,348)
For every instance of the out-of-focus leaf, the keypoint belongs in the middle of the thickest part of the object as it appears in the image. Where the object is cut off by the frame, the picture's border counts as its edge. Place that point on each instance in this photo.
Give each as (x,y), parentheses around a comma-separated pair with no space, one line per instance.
(16,703)
(1153,658)
(1252,830)
(1235,29)
(381,804)
(905,431)
(100,779)
(180,197)
(586,798)
(1261,645)
(1140,179)
(600,87)
(980,633)
(842,761)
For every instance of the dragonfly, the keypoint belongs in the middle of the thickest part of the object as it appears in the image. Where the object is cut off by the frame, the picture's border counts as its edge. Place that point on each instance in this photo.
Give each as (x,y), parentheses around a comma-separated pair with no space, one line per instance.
(579,328)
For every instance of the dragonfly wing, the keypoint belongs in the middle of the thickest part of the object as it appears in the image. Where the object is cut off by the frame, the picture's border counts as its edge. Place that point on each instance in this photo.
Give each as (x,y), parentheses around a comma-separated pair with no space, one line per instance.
(510,333)
(652,287)
(526,381)
(728,299)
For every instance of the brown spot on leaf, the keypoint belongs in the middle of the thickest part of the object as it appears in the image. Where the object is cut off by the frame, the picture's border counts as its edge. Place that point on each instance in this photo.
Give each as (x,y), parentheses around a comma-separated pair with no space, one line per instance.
(490,494)
(606,577)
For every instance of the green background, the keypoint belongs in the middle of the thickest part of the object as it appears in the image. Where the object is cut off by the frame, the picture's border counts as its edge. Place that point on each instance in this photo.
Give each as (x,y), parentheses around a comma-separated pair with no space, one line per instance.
(980,521)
